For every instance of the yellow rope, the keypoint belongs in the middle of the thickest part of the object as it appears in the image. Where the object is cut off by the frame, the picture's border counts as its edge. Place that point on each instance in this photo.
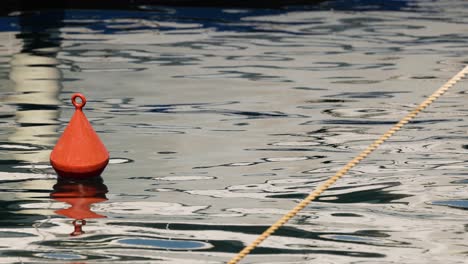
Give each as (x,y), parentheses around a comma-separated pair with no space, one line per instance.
(320,189)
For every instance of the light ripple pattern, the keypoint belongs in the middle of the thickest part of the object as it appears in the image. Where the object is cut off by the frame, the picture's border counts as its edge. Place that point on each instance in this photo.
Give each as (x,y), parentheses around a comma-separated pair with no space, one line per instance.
(219,120)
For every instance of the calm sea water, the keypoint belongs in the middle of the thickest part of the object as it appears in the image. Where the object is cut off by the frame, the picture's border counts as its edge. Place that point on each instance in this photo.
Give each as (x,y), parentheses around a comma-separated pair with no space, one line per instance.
(219,120)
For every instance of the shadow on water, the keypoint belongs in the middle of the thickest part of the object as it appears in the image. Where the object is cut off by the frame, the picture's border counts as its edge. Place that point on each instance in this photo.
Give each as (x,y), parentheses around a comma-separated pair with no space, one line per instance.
(372,237)
(373,194)
(362,5)
(13,216)
(40,30)
(208,13)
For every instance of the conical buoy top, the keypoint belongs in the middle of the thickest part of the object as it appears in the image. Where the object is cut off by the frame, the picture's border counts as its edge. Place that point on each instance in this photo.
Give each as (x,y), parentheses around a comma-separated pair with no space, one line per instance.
(79,152)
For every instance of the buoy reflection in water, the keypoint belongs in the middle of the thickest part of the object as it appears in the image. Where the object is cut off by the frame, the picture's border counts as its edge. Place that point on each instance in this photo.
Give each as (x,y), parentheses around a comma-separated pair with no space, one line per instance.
(81,195)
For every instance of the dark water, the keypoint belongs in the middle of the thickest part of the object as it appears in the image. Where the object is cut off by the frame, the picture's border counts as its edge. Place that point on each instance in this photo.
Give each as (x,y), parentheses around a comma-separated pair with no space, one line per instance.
(219,120)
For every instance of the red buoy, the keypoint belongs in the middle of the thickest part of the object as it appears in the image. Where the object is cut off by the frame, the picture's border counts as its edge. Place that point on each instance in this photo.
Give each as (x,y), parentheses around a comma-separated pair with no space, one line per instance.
(79,152)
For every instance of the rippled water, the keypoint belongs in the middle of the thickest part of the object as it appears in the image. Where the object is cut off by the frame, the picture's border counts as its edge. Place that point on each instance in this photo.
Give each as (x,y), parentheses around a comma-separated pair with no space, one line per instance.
(220,120)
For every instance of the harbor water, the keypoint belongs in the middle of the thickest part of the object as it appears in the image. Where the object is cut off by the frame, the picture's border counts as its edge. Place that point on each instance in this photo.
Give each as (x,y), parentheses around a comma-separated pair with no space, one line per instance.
(219,120)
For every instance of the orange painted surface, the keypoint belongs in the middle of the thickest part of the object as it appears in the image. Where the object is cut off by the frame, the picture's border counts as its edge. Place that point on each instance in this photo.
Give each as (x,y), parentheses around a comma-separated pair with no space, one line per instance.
(80,194)
(79,152)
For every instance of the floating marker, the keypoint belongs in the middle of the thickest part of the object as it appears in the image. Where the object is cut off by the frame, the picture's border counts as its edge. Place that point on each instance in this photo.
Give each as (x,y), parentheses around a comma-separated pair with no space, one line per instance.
(79,153)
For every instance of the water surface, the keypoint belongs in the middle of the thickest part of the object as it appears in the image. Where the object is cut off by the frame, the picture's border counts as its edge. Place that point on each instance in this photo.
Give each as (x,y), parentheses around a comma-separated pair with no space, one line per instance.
(219,120)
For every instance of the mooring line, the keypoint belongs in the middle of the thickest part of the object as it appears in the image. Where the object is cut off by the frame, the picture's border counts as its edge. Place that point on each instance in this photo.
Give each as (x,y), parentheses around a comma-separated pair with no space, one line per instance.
(320,189)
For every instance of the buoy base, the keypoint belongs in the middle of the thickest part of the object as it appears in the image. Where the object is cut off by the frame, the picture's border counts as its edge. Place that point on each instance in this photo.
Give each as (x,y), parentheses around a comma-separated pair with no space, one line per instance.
(80,173)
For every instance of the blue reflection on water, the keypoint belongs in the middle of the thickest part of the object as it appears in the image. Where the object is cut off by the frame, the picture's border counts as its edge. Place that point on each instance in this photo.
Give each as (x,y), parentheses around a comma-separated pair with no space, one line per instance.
(209,17)
(461,204)
(62,256)
(164,243)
